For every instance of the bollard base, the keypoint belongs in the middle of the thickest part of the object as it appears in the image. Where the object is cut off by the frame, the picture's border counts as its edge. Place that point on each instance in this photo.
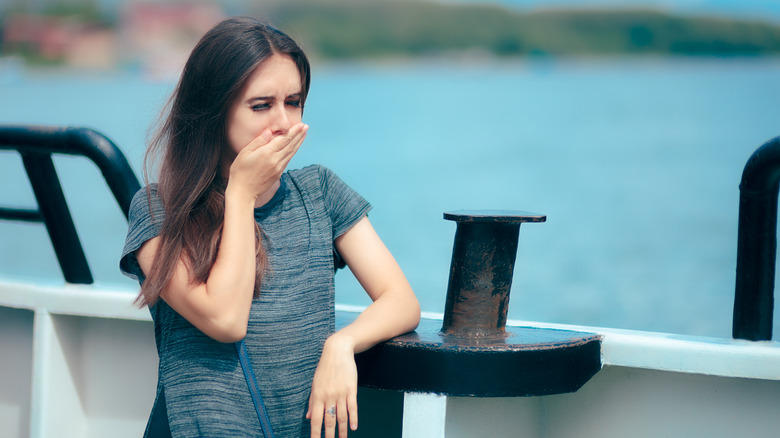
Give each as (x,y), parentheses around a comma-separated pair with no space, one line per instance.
(526,362)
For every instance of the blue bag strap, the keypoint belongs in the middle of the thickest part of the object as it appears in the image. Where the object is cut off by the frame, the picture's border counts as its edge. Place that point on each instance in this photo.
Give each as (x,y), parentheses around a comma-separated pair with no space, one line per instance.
(254,391)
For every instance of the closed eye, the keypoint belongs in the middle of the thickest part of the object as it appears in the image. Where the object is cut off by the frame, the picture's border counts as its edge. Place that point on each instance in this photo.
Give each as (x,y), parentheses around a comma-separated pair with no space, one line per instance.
(294,103)
(260,107)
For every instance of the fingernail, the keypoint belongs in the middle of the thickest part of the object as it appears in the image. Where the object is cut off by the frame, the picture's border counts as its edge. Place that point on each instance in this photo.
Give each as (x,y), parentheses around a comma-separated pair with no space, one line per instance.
(266,134)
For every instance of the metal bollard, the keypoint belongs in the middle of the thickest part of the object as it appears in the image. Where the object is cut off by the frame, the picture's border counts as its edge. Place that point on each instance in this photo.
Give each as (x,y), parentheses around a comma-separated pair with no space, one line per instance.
(483,261)
(473,354)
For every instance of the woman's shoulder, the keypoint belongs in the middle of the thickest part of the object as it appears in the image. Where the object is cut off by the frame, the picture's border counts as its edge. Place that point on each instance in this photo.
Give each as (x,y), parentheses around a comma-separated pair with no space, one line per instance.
(336,194)
(146,202)
(310,171)
(144,222)
(145,193)
(313,174)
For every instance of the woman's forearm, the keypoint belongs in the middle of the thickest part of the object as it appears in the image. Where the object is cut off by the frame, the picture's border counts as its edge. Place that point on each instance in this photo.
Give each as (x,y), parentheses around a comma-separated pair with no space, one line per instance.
(254,174)
(231,281)
(395,310)
(394,313)
(334,387)
(220,306)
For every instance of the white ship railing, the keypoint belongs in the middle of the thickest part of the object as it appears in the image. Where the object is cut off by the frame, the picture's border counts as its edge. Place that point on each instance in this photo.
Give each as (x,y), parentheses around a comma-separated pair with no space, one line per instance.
(80,361)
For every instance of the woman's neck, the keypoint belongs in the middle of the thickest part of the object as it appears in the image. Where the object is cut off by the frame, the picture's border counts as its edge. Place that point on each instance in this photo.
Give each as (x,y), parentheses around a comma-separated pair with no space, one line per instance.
(265,197)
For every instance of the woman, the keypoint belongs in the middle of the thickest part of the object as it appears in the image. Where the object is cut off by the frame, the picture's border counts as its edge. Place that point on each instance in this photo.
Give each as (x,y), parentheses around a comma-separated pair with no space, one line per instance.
(229,246)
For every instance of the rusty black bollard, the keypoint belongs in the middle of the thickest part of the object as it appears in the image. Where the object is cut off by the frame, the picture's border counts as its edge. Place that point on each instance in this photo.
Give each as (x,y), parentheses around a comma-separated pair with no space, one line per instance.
(472,353)
(483,261)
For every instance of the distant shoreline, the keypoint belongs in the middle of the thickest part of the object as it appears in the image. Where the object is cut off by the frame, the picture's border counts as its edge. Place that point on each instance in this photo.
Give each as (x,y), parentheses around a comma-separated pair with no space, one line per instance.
(370,29)
(404,30)
(20,69)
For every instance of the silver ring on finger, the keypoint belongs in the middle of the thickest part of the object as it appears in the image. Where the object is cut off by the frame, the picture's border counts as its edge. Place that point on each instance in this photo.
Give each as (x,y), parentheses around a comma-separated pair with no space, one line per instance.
(331,411)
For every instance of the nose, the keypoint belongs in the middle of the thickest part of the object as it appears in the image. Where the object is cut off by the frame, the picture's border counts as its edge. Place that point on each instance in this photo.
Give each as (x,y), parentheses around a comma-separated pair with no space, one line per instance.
(280,120)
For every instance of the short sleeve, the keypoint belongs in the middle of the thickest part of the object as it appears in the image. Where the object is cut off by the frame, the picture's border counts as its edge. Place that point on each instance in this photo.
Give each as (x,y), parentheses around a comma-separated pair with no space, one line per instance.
(144,222)
(344,205)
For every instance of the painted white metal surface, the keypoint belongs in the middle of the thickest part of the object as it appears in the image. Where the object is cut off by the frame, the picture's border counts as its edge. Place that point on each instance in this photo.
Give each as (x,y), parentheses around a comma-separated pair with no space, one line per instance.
(76,362)
(57,407)
(71,299)
(16,344)
(496,417)
(80,361)
(424,415)
(624,402)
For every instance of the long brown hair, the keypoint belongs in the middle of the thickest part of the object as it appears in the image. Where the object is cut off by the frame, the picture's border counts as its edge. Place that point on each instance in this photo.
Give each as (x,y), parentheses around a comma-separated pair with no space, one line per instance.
(191,139)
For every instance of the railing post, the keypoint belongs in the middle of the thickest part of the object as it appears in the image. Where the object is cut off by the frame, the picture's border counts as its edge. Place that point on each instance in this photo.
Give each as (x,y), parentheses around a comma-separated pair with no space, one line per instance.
(57,218)
(36,144)
(757,244)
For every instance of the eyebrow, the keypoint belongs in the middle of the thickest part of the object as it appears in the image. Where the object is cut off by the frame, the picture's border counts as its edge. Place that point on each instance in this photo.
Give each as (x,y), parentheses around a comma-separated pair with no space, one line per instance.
(253,99)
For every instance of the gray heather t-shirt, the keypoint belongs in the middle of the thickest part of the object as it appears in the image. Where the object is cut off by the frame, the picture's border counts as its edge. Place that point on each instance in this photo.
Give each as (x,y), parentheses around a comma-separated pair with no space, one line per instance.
(205,391)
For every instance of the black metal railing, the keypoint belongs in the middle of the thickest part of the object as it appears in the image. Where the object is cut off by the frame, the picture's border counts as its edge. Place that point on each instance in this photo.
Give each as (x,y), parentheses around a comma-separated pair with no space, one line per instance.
(757,244)
(36,146)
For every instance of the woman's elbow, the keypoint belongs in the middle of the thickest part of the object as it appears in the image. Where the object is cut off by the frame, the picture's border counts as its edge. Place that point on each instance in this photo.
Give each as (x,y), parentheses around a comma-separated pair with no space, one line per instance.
(227,330)
(413,312)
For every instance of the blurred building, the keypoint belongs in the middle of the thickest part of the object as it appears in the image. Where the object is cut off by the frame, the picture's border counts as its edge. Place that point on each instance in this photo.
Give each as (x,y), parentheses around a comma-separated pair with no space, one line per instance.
(160,36)
(153,37)
(55,40)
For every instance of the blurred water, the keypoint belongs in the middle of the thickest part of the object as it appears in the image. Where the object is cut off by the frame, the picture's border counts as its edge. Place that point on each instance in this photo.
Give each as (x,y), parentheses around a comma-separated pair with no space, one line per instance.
(635,162)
